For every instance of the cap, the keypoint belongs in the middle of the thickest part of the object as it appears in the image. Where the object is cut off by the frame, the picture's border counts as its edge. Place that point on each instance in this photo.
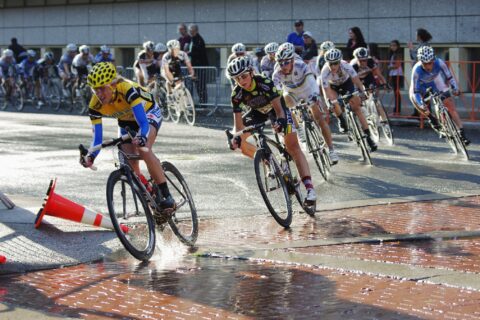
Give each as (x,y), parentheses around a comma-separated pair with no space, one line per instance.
(307,34)
(298,22)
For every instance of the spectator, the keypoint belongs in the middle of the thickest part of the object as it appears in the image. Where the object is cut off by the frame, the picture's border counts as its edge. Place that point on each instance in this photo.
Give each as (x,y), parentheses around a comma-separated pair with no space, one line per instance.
(198,57)
(296,38)
(395,74)
(310,47)
(19,52)
(355,41)
(423,39)
(184,37)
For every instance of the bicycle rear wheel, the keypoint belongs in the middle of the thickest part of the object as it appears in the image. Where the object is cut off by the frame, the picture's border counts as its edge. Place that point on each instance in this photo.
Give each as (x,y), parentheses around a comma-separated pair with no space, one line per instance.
(359,137)
(184,222)
(386,125)
(3,98)
(316,146)
(127,206)
(273,188)
(162,102)
(17,98)
(189,111)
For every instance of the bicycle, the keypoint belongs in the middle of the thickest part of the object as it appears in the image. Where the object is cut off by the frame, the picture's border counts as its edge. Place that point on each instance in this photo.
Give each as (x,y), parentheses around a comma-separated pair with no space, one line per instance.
(180,102)
(355,132)
(131,202)
(27,85)
(81,97)
(448,128)
(316,143)
(157,88)
(51,89)
(372,106)
(13,92)
(272,164)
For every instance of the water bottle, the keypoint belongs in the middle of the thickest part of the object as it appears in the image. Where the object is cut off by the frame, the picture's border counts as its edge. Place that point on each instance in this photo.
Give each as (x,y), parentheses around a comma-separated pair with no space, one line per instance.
(145,182)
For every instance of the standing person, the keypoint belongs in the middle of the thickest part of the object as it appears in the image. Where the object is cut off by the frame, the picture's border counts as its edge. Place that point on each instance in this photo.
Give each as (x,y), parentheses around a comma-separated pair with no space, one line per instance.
(19,52)
(310,49)
(423,39)
(395,75)
(184,37)
(355,40)
(198,58)
(296,38)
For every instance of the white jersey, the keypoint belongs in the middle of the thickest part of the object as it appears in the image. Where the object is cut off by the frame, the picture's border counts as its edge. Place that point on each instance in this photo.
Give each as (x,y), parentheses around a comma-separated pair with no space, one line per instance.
(267,66)
(300,83)
(327,78)
(79,61)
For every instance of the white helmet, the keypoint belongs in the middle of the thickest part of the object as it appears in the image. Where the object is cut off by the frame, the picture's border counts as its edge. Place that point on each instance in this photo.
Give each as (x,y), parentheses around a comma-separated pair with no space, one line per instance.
(272,47)
(173,44)
(238,66)
(360,53)
(160,47)
(72,47)
(425,54)
(48,55)
(105,49)
(31,53)
(333,55)
(7,53)
(285,51)
(84,49)
(327,45)
(238,48)
(148,45)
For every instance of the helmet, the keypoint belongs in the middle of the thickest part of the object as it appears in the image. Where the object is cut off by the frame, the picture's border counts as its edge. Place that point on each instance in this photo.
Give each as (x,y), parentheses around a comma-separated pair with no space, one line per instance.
(360,53)
(285,51)
(272,47)
(333,55)
(238,48)
(31,53)
(173,44)
(84,49)
(148,45)
(101,74)
(71,47)
(48,55)
(425,54)
(7,53)
(105,49)
(238,66)
(327,45)
(160,47)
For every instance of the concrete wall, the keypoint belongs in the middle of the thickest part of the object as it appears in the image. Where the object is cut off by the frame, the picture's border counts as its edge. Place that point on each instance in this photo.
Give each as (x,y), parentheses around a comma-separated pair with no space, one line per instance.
(223,22)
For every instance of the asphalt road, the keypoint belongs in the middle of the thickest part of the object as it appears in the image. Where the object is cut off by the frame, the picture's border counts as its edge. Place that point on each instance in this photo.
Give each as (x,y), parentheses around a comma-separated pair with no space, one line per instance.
(35,147)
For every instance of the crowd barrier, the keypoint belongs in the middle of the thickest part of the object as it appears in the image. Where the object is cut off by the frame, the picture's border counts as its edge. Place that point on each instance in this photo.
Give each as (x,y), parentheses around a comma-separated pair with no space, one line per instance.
(212,90)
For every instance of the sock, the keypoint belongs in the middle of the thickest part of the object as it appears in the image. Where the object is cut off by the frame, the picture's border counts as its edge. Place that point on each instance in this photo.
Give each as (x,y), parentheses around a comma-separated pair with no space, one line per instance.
(163,190)
(307,182)
(342,119)
(367,132)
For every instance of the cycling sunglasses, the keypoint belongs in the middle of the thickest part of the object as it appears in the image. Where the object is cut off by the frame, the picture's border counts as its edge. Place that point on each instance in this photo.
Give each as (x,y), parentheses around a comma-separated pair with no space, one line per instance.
(284,63)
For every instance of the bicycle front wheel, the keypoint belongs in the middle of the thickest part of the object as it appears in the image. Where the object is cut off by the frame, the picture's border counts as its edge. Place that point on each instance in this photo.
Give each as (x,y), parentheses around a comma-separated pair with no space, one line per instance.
(18,98)
(173,109)
(453,136)
(316,146)
(3,98)
(184,222)
(128,207)
(273,188)
(189,111)
(386,125)
(162,102)
(359,137)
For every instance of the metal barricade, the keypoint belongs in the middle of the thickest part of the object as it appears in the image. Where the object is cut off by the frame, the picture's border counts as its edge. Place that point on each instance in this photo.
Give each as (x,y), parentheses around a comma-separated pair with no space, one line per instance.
(203,88)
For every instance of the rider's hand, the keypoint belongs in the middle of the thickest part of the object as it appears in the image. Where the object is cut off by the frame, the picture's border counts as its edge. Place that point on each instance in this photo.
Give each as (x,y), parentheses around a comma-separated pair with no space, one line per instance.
(87,161)
(140,141)
(280,124)
(424,110)
(456,92)
(235,143)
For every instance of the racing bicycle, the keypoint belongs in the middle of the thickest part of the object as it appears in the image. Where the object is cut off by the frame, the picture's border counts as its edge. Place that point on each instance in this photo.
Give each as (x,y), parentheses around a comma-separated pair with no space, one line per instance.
(180,102)
(377,117)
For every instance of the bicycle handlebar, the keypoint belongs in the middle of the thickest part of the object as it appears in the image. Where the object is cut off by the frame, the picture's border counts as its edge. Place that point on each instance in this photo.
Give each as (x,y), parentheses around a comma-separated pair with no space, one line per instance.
(257,126)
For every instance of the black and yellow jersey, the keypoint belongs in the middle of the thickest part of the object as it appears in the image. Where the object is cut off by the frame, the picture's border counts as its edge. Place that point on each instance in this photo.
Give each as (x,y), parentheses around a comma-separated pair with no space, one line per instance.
(259,98)
(126,95)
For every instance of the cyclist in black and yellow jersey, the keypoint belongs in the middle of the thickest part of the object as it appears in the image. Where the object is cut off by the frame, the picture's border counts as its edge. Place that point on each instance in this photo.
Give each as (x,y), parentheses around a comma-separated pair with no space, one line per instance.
(133,107)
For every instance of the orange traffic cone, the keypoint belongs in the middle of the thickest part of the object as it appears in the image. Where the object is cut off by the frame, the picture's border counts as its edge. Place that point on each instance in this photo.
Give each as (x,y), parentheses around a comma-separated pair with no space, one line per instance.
(60,207)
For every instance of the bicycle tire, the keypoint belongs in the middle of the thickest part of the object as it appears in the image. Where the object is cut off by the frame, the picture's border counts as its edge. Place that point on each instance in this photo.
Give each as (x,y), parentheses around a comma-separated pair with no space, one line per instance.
(315,148)
(259,161)
(18,102)
(448,131)
(359,138)
(144,253)
(162,102)
(297,183)
(3,98)
(182,195)
(372,121)
(386,126)
(455,136)
(189,107)
(174,111)
(55,95)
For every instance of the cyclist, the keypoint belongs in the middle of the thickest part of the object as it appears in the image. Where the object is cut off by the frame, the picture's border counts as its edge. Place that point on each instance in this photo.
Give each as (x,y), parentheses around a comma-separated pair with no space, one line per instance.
(262,101)
(432,72)
(46,67)
(267,64)
(65,64)
(82,64)
(239,50)
(324,47)
(8,71)
(172,64)
(104,55)
(339,77)
(134,107)
(298,83)
(146,64)
(28,75)
(160,49)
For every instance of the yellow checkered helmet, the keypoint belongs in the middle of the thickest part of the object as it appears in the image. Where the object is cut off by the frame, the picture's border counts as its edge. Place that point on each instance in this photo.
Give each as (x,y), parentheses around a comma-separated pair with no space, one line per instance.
(102,73)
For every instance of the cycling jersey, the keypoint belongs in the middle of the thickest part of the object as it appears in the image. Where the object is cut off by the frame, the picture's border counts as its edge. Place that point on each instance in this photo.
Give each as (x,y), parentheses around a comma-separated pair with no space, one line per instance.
(46,69)
(365,73)
(319,65)
(299,84)
(7,68)
(328,78)
(66,58)
(259,98)
(175,63)
(101,58)
(436,79)
(151,67)
(82,61)
(27,67)
(267,66)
